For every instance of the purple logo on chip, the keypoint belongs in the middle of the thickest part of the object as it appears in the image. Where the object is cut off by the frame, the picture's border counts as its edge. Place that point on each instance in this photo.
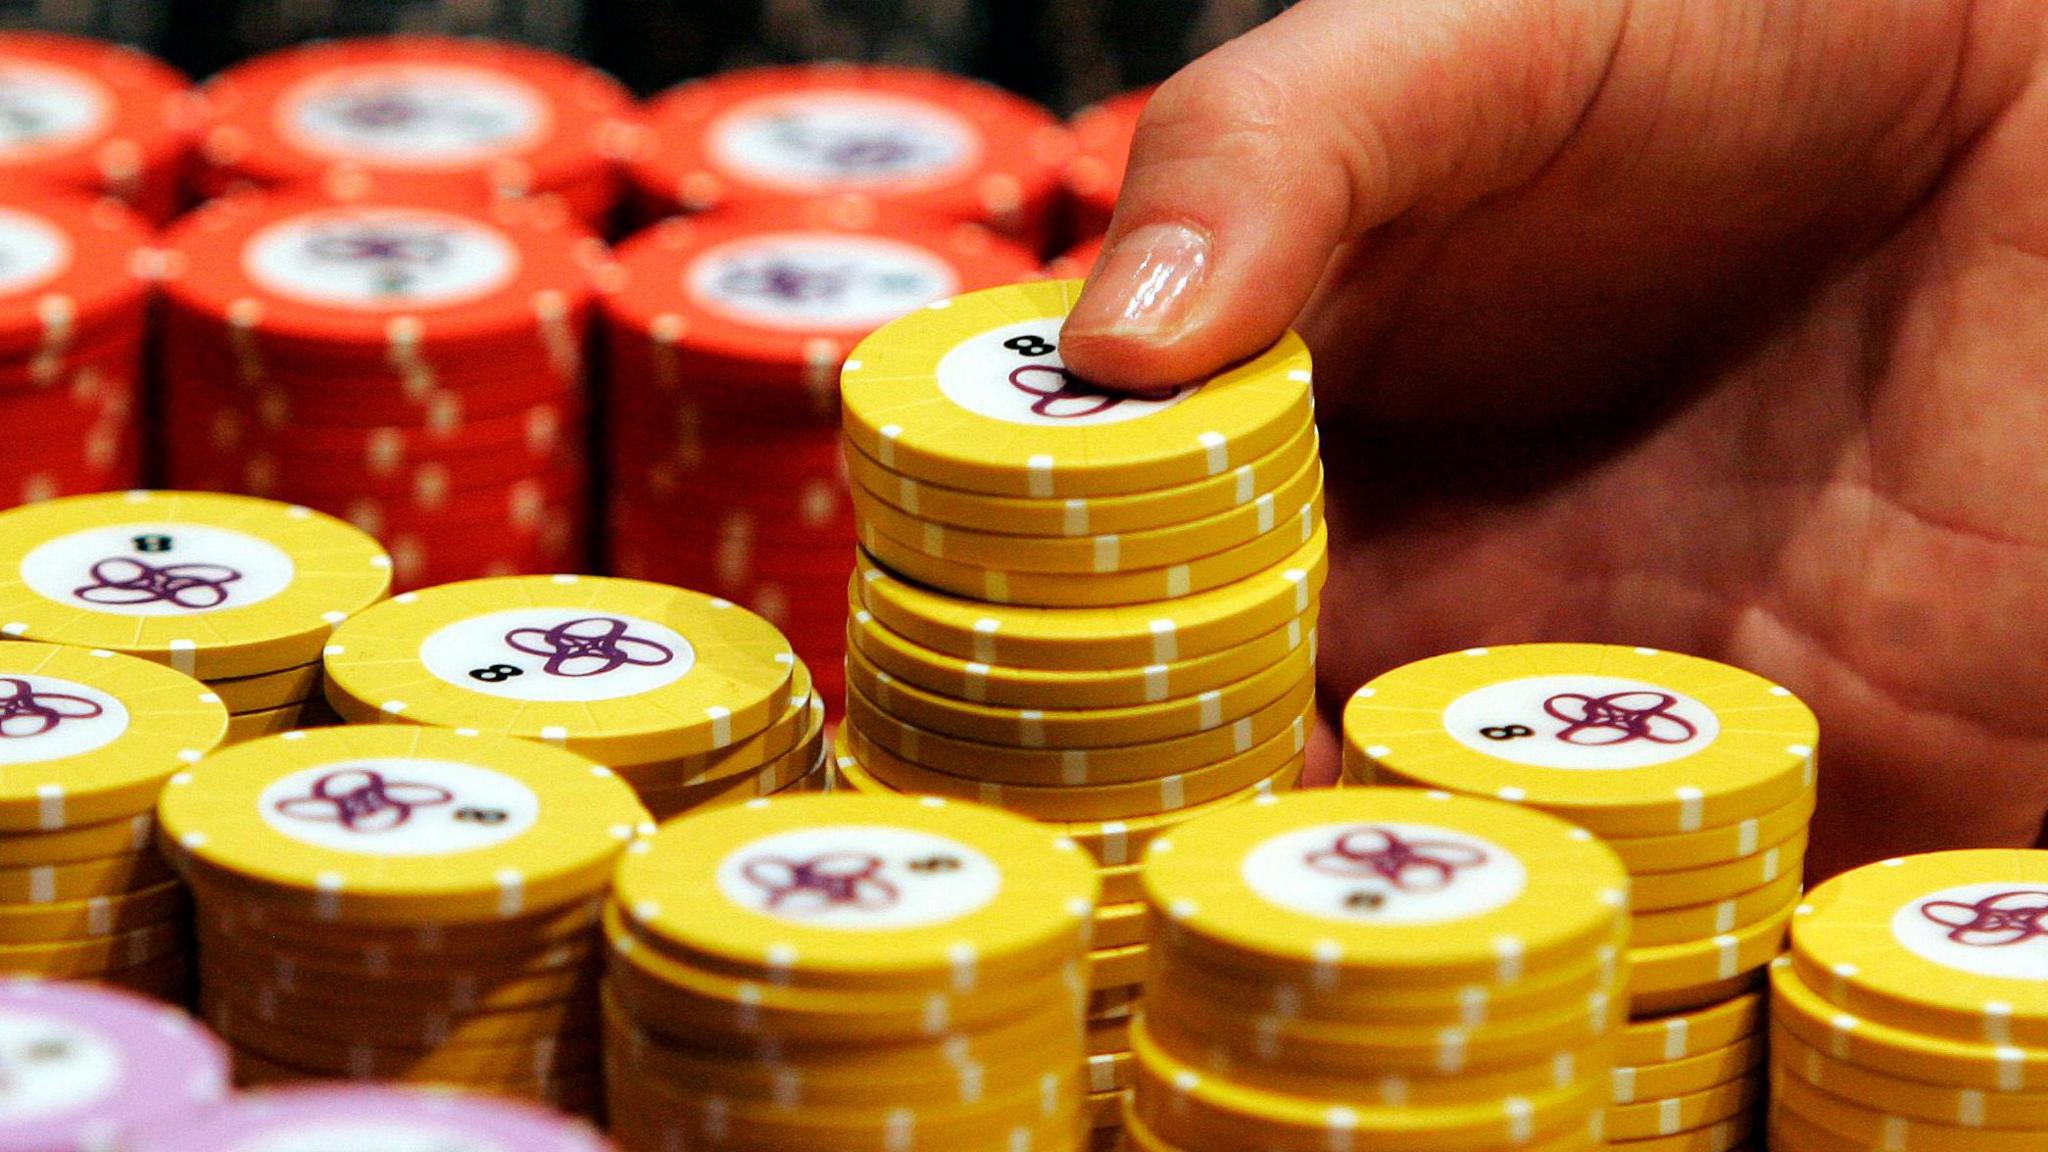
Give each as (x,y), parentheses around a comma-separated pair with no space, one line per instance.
(25,712)
(362,800)
(2000,920)
(123,580)
(588,646)
(822,883)
(1408,865)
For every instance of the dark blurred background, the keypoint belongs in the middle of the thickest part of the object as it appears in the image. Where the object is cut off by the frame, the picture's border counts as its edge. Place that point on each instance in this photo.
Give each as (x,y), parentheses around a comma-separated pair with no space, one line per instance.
(1063,53)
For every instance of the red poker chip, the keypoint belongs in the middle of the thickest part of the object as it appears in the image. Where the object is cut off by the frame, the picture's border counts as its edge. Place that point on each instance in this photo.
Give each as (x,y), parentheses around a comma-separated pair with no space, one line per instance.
(539,433)
(381,285)
(521,507)
(422,559)
(427,119)
(903,139)
(72,273)
(786,291)
(94,118)
(1102,149)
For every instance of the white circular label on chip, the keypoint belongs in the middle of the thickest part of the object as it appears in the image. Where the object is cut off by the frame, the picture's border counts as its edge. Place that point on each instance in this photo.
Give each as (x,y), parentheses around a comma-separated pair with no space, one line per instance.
(146,569)
(32,251)
(558,655)
(860,878)
(1385,873)
(806,281)
(381,259)
(365,1135)
(1997,929)
(1592,723)
(400,806)
(822,139)
(1014,373)
(43,718)
(420,115)
(54,1067)
(43,108)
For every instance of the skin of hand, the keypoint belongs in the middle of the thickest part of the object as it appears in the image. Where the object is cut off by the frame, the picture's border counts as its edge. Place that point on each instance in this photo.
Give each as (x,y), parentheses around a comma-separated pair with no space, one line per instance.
(1718,326)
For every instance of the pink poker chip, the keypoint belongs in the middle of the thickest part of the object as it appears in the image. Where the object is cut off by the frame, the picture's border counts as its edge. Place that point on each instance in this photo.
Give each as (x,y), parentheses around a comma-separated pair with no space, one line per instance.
(86,1067)
(367,1117)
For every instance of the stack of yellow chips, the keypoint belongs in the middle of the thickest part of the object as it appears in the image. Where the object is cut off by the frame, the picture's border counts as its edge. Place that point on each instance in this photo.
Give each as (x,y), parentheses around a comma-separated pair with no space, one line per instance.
(238,592)
(1096,610)
(403,904)
(1912,1012)
(848,974)
(87,739)
(693,700)
(1700,776)
(1379,968)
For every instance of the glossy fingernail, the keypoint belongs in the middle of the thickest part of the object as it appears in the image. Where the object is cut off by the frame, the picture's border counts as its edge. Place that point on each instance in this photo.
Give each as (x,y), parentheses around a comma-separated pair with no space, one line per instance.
(1148,285)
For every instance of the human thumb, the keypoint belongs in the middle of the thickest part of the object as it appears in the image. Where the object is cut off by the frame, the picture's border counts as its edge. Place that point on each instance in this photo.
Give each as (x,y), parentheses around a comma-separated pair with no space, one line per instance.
(1254,164)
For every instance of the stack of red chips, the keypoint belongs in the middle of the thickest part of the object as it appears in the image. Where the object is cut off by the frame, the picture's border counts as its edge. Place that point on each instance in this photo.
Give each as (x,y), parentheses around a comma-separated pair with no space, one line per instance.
(415,370)
(94,119)
(73,301)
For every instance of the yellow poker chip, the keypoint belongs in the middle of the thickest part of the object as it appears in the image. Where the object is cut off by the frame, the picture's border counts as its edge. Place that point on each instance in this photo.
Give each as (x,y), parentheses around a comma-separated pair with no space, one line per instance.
(260,928)
(1666,1039)
(1079,728)
(1133,798)
(1085,515)
(1455,1006)
(1109,1036)
(1095,554)
(1649,1083)
(421,978)
(96,916)
(1063,639)
(90,736)
(1122,967)
(1894,1051)
(1945,944)
(862,892)
(352,1024)
(1402,1087)
(1730,1135)
(796,753)
(971,393)
(1110,1072)
(213,585)
(403,824)
(83,879)
(96,956)
(801,768)
(246,726)
(1679,1114)
(1659,891)
(621,670)
(117,837)
(1121,884)
(1685,851)
(544,1058)
(1913,1099)
(1297,528)
(742,756)
(1699,921)
(1623,741)
(1876,1128)
(980,683)
(295,685)
(460,992)
(1184,1106)
(678,999)
(1008,764)
(1390,886)
(1670,968)
(1692,997)
(1113,843)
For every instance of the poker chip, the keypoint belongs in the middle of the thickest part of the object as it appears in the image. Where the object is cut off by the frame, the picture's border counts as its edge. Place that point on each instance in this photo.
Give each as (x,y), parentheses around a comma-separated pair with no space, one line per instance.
(1909,1012)
(685,696)
(419,119)
(416,370)
(239,592)
(1699,776)
(897,141)
(90,1066)
(73,295)
(382,1116)
(94,119)
(726,336)
(899,973)
(402,903)
(1102,148)
(1279,920)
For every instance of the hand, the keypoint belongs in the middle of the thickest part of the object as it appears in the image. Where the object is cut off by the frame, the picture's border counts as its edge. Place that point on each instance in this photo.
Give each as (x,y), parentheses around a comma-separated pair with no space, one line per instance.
(1720,327)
